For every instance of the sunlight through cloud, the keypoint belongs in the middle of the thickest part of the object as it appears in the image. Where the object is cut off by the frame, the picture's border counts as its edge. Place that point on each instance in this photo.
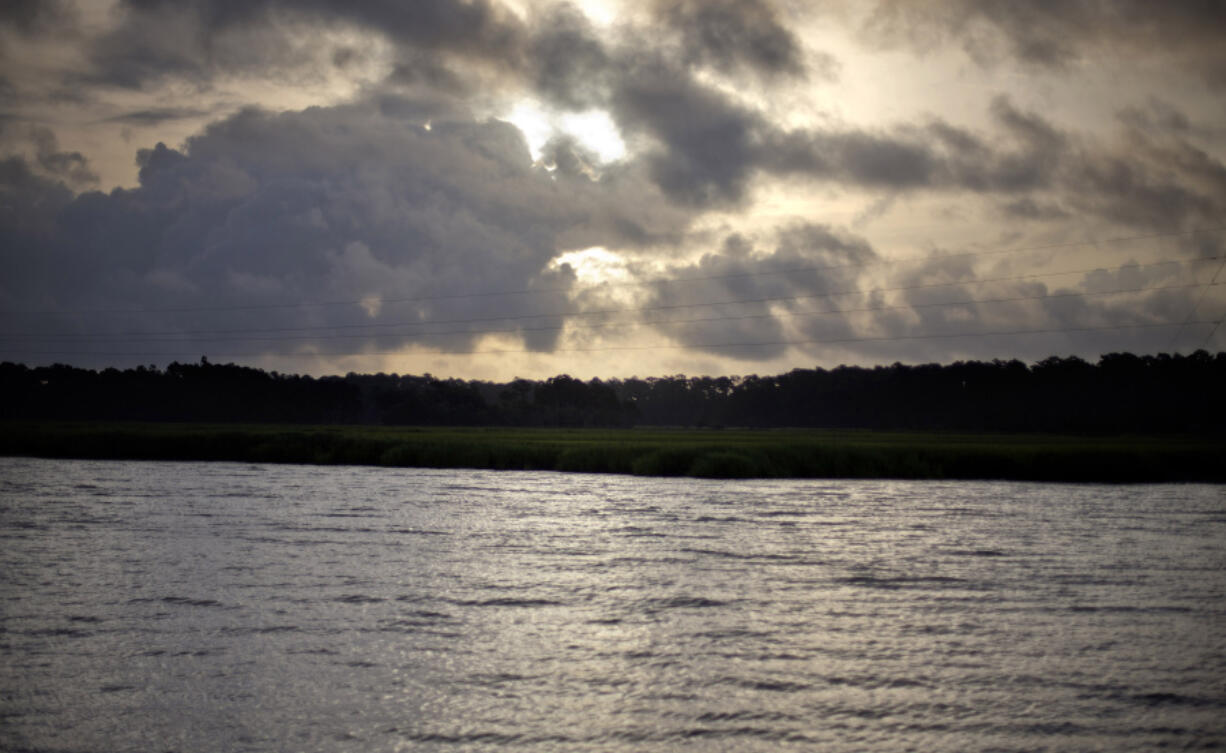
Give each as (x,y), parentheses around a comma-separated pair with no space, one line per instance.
(593,266)
(593,129)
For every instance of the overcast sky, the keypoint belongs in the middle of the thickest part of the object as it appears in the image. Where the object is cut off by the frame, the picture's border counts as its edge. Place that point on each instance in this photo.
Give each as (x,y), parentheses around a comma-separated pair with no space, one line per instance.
(500,188)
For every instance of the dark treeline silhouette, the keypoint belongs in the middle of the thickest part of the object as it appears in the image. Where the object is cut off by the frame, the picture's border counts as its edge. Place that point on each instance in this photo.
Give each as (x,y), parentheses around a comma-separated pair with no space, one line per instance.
(1120,393)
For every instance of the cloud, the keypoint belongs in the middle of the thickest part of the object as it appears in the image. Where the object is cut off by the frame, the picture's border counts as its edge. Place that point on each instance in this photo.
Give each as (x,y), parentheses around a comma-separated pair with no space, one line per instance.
(35,16)
(411,210)
(706,146)
(709,150)
(195,40)
(1152,176)
(71,167)
(29,203)
(691,137)
(1027,208)
(154,116)
(569,63)
(1055,35)
(963,305)
(734,35)
(703,148)
(413,235)
(45,156)
(740,294)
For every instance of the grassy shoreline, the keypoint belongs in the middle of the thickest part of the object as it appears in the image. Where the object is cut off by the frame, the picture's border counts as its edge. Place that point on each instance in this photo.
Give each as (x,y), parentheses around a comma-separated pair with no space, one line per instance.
(775,453)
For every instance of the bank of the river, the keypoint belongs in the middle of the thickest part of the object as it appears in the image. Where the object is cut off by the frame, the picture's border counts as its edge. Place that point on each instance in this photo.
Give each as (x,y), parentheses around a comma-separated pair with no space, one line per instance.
(653,452)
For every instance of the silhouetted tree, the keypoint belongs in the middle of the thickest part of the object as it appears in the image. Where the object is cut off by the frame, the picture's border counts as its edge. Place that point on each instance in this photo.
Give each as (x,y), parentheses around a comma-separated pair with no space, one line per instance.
(1122,392)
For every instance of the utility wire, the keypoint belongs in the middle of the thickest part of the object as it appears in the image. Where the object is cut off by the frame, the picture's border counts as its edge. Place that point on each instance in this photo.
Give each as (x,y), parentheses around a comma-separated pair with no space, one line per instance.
(594,313)
(623,325)
(649,283)
(1212,332)
(1196,305)
(614,348)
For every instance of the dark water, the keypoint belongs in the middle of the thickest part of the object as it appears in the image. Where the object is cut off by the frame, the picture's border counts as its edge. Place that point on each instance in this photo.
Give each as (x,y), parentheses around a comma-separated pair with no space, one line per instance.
(220,607)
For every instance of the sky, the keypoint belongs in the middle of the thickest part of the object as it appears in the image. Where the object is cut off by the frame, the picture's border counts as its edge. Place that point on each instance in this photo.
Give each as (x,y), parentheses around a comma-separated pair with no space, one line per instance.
(490,189)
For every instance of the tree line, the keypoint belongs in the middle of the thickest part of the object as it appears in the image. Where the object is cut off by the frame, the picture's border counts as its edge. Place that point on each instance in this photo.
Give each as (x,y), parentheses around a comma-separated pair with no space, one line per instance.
(1122,392)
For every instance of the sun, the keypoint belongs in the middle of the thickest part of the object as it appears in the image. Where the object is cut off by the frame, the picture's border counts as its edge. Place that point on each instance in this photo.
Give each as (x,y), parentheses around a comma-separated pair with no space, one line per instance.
(594,265)
(593,129)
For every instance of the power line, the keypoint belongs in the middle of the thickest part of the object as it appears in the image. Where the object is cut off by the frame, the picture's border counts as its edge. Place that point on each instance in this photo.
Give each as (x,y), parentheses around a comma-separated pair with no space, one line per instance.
(649,283)
(177,335)
(624,325)
(1212,332)
(1196,305)
(618,348)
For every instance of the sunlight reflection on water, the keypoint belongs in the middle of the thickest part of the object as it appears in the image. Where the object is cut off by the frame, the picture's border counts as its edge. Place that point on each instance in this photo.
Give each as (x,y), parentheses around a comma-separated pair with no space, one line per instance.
(203,607)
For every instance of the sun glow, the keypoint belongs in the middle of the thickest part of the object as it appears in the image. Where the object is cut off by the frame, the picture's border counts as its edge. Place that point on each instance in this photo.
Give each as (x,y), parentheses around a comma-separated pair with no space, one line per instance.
(594,265)
(593,129)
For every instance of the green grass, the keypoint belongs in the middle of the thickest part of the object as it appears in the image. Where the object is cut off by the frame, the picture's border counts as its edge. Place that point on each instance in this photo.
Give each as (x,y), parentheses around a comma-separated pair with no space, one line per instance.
(650,452)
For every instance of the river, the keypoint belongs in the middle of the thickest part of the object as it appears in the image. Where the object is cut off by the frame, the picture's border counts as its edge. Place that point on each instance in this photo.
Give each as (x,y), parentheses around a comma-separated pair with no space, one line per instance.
(228,607)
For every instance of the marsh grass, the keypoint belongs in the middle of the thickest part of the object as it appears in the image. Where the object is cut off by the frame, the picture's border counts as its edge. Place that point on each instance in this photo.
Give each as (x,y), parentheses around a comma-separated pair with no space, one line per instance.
(650,452)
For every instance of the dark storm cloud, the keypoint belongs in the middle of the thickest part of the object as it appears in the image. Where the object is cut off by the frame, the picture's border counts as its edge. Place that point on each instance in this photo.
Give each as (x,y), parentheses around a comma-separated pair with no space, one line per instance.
(1160,117)
(731,35)
(1028,208)
(934,297)
(418,70)
(739,294)
(704,148)
(330,204)
(973,307)
(71,167)
(173,43)
(1121,297)
(699,145)
(1057,34)
(708,146)
(1154,176)
(195,39)
(1151,176)
(479,26)
(556,50)
(29,203)
(1025,154)
(622,206)
(33,16)
(873,160)
(46,156)
(157,115)
(1028,128)
(1022,155)
(418,106)
(569,63)
(709,150)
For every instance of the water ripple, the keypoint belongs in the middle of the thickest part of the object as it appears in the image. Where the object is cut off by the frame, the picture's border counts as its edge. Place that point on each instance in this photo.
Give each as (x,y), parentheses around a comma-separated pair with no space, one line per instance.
(202,607)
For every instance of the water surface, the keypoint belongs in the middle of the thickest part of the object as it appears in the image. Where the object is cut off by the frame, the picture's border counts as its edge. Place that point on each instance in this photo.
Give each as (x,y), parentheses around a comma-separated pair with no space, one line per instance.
(226,607)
